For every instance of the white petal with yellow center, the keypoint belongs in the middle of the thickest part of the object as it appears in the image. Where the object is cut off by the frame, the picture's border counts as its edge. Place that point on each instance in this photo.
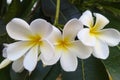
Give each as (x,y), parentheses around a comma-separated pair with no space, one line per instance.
(101,22)
(97,37)
(64,47)
(86,38)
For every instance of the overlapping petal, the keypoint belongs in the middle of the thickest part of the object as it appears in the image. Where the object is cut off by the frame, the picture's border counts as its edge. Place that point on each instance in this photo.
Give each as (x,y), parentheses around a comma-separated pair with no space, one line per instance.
(18,29)
(101,21)
(101,49)
(80,50)
(17,65)
(110,36)
(86,38)
(41,27)
(17,49)
(87,18)
(55,35)
(31,58)
(68,61)
(52,61)
(71,29)
(47,50)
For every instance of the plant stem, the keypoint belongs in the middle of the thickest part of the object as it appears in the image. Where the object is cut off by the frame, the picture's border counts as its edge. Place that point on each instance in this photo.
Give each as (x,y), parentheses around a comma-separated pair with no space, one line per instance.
(57,12)
(83,70)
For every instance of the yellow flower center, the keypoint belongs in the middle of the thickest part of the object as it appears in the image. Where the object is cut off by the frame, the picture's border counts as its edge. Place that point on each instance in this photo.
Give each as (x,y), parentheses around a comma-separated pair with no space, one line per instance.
(63,44)
(36,40)
(94,31)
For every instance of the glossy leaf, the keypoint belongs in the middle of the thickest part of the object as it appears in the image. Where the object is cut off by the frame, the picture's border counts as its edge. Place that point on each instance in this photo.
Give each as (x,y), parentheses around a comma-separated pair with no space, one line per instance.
(2,28)
(67,10)
(89,69)
(27,6)
(54,72)
(19,76)
(45,73)
(3,7)
(112,64)
(40,72)
(13,10)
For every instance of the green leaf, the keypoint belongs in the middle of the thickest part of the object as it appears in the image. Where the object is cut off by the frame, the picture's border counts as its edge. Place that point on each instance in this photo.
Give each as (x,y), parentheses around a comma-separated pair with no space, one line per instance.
(40,72)
(67,10)
(19,76)
(113,10)
(54,72)
(112,64)
(14,10)
(89,69)
(114,21)
(27,5)
(2,28)
(45,73)
(3,7)
(5,73)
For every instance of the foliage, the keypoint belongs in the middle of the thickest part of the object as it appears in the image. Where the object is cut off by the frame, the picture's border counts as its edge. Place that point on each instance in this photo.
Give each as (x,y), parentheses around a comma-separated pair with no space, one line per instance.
(89,69)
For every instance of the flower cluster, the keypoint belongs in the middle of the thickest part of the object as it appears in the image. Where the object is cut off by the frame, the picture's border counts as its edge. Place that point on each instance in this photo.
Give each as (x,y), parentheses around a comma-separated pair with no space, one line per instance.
(42,41)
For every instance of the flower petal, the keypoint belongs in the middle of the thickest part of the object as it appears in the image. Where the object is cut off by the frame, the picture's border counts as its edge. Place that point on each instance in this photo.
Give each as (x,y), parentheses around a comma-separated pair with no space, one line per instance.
(71,29)
(87,18)
(17,49)
(47,50)
(52,61)
(81,50)
(17,65)
(68,61)
(110,36)
(101,21)
(18,29)
(31,58)
(86,38)
(4,63)
(55,35)
(4,51)
(101,49)
(41,27)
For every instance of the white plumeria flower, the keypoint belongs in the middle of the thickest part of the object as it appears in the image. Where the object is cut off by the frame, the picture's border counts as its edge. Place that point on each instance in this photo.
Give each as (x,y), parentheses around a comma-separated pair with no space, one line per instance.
(17,65)
(32,41)
(67,49)
(97,37)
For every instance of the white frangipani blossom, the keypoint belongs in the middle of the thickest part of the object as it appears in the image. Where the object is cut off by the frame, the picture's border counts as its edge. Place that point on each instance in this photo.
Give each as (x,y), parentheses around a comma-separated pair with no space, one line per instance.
(32,40)
(67,49)
(97,37)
